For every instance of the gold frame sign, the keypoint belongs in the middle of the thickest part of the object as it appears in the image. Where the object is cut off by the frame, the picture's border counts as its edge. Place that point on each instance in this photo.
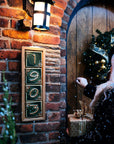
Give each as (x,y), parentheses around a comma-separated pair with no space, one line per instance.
(33,83)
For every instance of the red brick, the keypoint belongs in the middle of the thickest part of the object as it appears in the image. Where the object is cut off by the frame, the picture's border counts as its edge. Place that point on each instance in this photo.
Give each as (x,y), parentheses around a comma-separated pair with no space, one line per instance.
(16,34)
(64,25)
(2,66)
(69,11)
(63,105)
(61,3)
(63,95)
(19,44)
(63,53)
(66,18)
(13,23)
(15,88)
(48,39)
(63,70)
(3,22)
(52,88)
(54,97)
(55,20)
(15,97)
(54,135)
(33,138)
(10,54)
(52,106)
(63,34)
(3,2)
(12,13)
(15,3)
(63,79)
(24,128)
(44,127)
(55,116)
(4,44)
(72,3)
(54,30)
(57,11)
(63,61)
(14,66)
(53,78)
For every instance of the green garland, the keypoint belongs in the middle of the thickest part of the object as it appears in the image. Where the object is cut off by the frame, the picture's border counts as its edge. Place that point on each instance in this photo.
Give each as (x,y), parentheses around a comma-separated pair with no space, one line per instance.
(96,58)
(9,132)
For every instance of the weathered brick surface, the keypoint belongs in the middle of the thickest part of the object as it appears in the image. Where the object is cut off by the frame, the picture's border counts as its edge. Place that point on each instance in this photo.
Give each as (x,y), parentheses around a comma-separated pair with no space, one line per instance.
(66,17)
(54,97)
(4,22)
(18,44)
(72,3)
(2,66)
(12,13)
(44,127)
(63,53)
(55,20)
(54,30)
(16,34)
(61,3)
(63,79)
(63,61)
(55,116)
(4,44)
(52,88)
(15,3)
(57,11)
(24,128)
(14,66)
(15,87)
(53,78)
(52,106)
(11,55)
(54,135)
(63,43)
(69,10)
(64,25)
(63,34)
(48,39)
(32,138)
(13,23)
(15,97)
(63,70)
(12,77)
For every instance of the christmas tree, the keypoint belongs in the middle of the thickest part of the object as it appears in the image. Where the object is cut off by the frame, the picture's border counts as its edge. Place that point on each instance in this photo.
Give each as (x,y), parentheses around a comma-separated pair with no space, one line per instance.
(97,57)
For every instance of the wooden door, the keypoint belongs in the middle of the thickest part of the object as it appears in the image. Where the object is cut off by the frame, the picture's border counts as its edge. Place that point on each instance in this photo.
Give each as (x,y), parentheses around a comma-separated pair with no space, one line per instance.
(83,25)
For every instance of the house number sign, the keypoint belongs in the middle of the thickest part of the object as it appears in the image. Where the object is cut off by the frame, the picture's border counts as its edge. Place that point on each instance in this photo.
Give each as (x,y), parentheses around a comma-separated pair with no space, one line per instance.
(33,83)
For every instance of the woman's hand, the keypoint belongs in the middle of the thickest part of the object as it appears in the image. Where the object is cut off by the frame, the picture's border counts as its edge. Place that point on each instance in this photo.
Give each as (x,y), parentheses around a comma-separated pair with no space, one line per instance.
(82,81)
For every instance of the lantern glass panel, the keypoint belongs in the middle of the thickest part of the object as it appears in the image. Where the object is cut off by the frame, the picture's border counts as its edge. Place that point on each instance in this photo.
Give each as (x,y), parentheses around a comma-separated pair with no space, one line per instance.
(39,6)
(48,8)
(38,19)
(47,20)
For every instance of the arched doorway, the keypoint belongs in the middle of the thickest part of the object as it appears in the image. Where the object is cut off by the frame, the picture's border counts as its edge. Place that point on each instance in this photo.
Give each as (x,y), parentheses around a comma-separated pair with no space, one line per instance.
(84,23)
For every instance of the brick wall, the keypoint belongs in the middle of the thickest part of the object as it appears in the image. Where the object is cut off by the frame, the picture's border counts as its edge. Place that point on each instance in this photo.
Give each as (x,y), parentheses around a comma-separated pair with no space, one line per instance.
(52,130)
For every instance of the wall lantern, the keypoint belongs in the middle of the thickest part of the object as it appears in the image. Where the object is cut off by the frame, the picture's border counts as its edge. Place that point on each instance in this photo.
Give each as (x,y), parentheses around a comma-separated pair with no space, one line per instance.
(41,14)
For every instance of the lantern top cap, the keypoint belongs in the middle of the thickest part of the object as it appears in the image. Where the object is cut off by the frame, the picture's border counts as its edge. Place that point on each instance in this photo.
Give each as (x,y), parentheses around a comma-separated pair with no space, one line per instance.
(47,1)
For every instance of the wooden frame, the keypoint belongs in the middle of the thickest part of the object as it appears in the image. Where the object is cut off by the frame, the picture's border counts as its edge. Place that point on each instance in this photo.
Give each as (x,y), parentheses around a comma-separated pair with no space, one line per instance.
(33,83)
